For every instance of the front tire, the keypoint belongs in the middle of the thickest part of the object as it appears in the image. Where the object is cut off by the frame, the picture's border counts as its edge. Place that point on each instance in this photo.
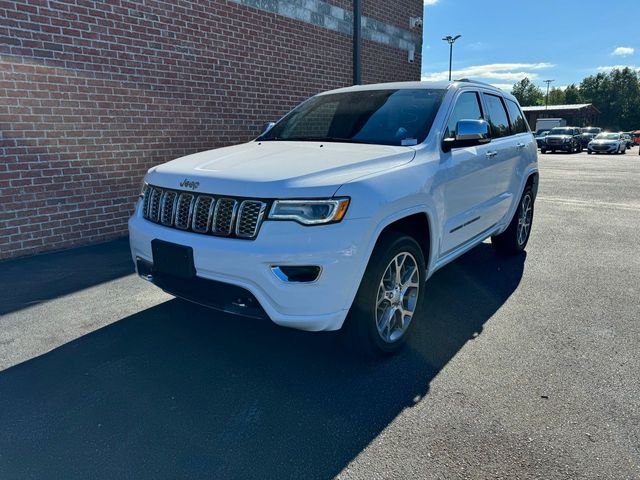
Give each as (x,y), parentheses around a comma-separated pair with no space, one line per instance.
(390,296)
(515,238)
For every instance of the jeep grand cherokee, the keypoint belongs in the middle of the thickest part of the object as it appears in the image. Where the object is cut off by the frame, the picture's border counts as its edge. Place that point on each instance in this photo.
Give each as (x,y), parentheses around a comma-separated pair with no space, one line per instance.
(338,214)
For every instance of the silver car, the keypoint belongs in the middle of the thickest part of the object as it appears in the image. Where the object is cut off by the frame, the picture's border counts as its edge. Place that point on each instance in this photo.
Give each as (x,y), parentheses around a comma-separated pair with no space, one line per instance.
(607,143)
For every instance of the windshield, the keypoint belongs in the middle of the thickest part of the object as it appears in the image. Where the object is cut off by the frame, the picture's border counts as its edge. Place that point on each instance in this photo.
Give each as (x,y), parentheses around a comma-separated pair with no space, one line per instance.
(561,131)
(591,130)
(542,133)
(608,136)
(388,117)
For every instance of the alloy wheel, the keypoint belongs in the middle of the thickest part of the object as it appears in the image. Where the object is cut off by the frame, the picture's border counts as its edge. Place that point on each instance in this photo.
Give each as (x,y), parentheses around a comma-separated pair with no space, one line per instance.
(397,297)
(524,218)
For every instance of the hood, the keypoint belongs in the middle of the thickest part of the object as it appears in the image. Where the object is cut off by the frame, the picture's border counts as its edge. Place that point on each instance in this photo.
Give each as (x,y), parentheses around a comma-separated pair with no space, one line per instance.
(278,168)
(603,141)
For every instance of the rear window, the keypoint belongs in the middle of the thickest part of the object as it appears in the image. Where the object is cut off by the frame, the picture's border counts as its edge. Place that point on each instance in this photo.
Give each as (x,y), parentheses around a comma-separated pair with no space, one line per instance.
(517,121)
(497,116)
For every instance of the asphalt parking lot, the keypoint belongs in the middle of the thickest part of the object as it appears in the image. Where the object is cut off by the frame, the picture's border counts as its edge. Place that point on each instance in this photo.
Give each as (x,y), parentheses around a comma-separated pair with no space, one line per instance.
(526,367)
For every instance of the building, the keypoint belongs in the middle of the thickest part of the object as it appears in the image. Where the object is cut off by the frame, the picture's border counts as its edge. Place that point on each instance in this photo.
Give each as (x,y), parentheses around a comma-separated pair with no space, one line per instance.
(579,115)
(92,94)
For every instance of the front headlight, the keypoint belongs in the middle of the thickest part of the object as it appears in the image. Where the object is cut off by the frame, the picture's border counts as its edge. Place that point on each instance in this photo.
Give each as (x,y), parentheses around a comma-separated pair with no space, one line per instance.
(310,212)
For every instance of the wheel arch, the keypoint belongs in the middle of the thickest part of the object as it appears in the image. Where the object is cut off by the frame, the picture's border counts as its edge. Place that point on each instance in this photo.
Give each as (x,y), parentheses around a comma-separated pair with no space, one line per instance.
(532,180)
(415,223)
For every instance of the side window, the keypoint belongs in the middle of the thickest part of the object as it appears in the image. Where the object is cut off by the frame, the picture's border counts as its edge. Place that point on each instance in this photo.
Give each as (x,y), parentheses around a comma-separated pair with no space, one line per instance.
(467,108)
(497,114)
(518,123)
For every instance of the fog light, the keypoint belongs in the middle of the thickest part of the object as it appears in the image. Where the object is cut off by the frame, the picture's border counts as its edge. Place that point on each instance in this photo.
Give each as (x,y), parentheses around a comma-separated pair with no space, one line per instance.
(297,274)
(145,269)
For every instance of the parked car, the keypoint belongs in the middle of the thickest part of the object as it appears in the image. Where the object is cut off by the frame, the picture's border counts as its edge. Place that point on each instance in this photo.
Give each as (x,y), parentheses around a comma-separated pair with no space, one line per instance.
(566,139)
(607,142)
(589,133)
(540,136)
(627,139)
(339,212)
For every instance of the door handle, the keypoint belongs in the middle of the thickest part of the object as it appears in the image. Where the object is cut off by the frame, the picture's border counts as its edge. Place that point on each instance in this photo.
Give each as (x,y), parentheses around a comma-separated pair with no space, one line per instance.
(520,145)
(491,154)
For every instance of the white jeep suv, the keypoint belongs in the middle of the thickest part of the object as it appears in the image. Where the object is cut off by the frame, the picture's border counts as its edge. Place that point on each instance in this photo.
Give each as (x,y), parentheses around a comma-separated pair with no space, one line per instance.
(338,213)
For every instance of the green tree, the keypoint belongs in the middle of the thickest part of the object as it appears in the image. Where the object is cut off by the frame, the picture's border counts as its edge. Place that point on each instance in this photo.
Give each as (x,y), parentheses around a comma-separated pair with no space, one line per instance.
(556,97)
(617,95)
(572,95)
(527,93)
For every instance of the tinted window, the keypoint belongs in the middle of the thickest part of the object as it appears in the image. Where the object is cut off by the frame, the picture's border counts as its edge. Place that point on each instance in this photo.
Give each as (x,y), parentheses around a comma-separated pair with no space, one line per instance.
(518,123)
(561,131)
(497,116)
(389,117)
(467,108)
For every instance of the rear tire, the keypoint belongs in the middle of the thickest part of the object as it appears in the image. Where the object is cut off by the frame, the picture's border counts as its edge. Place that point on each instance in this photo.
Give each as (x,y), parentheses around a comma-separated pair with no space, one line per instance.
(515,238)
(542,150)
(382,315)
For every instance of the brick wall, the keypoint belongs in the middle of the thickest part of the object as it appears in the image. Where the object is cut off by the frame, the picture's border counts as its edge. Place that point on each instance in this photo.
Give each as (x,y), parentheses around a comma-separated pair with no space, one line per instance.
(92,94)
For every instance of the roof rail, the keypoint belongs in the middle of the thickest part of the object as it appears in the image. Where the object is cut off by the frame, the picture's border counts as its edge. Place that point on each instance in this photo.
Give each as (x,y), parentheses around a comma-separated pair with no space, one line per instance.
(473,81)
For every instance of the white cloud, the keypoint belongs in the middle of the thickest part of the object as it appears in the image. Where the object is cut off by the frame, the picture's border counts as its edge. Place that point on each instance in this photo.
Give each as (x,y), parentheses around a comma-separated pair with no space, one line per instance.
(492,71)
(430,2)
(608,68)
(623,51)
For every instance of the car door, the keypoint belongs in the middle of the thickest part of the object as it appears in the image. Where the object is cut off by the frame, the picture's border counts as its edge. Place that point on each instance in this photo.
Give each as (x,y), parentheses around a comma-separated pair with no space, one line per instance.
(509,145)
(468,185)
(523,155)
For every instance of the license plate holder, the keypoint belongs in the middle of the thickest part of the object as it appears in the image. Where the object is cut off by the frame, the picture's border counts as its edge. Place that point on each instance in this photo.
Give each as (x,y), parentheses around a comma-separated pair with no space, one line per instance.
(172,259)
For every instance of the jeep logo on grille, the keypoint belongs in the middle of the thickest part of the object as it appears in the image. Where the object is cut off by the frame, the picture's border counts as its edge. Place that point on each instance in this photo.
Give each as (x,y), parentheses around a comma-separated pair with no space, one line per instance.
(189,184)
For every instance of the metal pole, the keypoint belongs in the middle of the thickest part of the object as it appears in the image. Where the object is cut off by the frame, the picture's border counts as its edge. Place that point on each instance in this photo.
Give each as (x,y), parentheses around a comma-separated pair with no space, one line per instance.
(546,101)
(450,40)
(357,40)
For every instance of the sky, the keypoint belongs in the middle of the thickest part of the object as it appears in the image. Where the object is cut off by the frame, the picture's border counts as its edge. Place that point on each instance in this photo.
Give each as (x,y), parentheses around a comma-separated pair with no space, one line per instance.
(503,41)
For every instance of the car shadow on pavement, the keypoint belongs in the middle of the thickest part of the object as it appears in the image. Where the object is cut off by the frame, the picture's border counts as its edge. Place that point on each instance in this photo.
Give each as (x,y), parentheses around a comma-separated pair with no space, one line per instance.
(25,282)
(178,391)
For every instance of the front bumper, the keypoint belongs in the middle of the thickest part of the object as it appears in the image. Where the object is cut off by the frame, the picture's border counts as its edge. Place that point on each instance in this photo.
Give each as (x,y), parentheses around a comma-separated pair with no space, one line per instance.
(603,148)
(319,305)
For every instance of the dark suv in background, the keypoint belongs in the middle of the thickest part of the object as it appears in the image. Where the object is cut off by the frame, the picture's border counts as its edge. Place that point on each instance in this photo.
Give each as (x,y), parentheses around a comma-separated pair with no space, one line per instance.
(566,139)
(588,134)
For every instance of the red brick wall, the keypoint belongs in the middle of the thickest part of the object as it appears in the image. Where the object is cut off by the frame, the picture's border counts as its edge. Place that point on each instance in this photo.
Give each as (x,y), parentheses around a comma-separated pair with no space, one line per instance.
(93,94)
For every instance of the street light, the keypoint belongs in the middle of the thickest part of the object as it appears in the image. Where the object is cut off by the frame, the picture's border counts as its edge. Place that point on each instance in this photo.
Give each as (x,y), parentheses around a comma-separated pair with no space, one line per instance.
(451,40)
(546,100)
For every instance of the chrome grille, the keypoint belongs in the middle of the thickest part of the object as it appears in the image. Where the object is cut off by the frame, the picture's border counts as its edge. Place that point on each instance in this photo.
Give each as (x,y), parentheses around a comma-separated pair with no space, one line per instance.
(205,214)
(224,215)
(147,197)
(202,214)
(183,210)
(154,205)
(249,217)
(167,207)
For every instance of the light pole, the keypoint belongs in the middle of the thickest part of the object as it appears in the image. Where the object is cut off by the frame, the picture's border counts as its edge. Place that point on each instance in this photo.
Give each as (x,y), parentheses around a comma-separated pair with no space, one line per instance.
(450,40)
(357,41)
(546,100)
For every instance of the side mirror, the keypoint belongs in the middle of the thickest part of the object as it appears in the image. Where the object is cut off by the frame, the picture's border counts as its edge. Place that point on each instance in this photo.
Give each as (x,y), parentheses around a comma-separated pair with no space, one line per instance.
(469,133)
(266,127)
